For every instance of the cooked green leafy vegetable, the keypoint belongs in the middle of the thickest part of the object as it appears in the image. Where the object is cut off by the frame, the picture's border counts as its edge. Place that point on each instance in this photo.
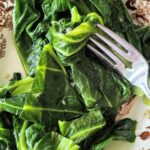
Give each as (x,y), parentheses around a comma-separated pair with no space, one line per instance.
(68,100)
(94,81)
(20,128)
(59,103)
(6,133)
(36,137)
(54,141)
(81,128)
(51,95)
(120,130)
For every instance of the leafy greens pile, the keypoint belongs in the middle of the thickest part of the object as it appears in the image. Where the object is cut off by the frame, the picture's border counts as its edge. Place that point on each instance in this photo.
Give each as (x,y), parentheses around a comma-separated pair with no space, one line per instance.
(68,99)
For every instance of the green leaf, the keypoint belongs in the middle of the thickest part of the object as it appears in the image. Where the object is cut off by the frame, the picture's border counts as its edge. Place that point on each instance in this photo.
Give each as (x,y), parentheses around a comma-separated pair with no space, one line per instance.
(44,99)
(13,95)
(33,134)
(122,130)
(143,34)
(83,7)
(51,96)
(17,87)
(13,105)
(83,127)
(102,145)
(38,138)
(97,85)
(70,43)
(22,20)
(6,135)
(74,38)
(35,54)
(54,141)
(75,16)
(103,8)
(20,127)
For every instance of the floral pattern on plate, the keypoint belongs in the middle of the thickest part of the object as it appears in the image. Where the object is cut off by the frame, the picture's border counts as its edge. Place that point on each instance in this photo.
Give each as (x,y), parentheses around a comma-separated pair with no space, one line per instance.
(140,11)
(6,12)
(2,46)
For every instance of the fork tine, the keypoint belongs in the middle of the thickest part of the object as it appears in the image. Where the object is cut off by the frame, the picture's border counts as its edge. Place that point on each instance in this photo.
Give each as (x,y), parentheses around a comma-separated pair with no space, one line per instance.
(117,61)
(112,45)
(97,53)
(121,41)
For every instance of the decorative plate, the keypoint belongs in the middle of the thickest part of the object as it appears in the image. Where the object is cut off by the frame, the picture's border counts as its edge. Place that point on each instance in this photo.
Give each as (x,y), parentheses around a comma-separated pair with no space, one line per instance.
(10,62)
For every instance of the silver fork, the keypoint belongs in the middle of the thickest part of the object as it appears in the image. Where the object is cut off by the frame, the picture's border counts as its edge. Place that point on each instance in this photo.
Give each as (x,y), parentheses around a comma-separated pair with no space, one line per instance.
(137,75)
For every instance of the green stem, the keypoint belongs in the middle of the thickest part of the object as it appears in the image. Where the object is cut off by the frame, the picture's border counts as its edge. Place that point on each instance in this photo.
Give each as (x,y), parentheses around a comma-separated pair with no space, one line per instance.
(22,136)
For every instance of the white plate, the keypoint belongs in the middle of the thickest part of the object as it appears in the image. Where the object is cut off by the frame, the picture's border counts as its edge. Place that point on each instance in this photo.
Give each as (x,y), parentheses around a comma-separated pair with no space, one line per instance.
(9,63)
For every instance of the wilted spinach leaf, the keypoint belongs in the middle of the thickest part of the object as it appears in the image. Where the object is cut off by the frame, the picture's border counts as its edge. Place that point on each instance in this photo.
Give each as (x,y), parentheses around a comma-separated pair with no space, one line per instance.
(33,134)
(20,127)
(23,21)
(121,130)
(51,96)
(83,127)
(97,85)
(54,141)
(6,134)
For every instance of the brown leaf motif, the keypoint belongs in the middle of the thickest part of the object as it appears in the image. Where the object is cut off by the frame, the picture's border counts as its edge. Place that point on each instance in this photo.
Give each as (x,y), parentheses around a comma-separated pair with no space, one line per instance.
(3,0)
(10,8)
(140,11)
(2,46)
(2,5)
(2,16)
(6,11)
(12,1)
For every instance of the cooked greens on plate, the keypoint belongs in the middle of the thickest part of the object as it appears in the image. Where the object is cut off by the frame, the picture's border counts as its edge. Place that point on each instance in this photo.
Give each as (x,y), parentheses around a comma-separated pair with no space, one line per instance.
(68,100)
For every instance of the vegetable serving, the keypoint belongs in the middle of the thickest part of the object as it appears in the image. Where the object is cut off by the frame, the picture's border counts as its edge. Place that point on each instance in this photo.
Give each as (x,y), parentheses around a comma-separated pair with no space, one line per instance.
(68,100)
